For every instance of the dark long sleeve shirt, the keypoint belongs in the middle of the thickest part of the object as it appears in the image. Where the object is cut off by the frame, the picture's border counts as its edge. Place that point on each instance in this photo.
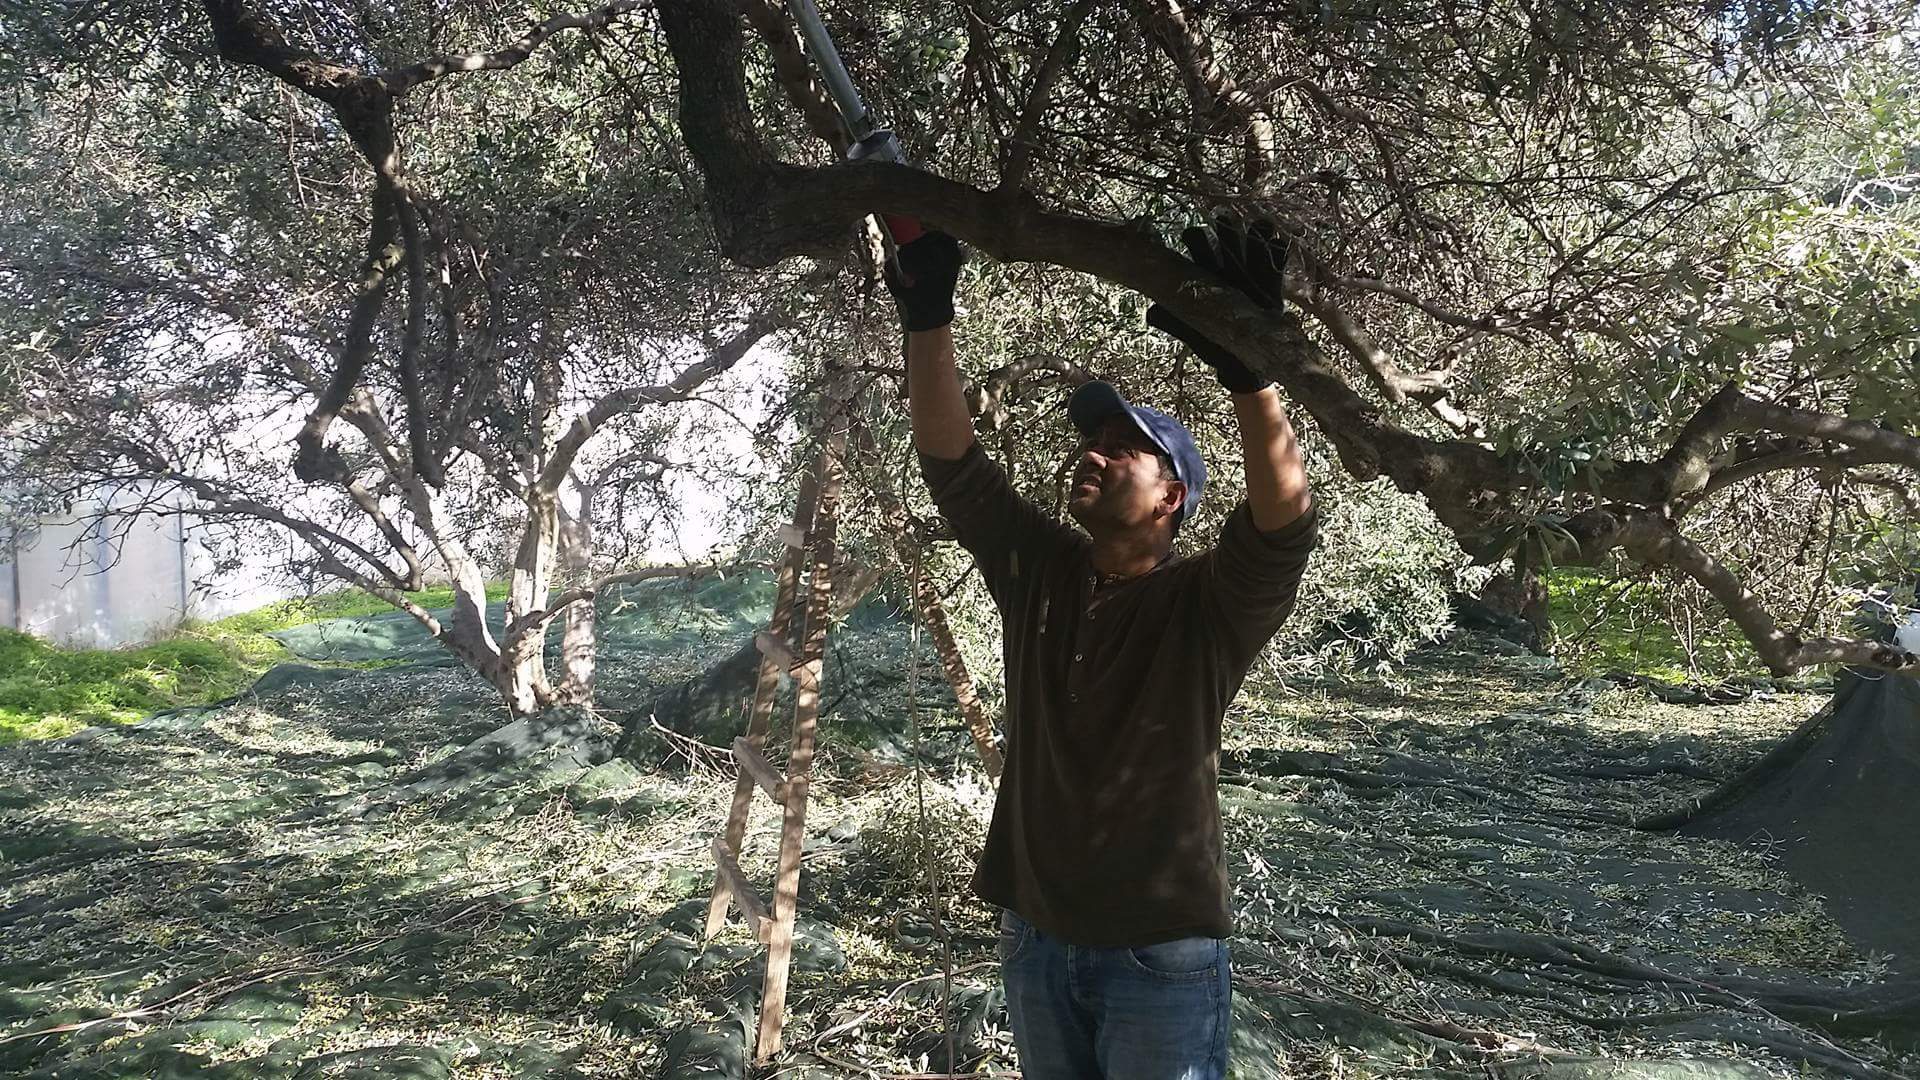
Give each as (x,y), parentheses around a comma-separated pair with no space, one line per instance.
(1106,831)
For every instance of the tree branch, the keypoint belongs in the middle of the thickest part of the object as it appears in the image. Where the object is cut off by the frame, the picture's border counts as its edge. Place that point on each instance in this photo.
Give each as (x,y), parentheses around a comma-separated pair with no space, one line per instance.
(484,664)
(1883,443)
(567,446)
(419,444)
(1429,388)
(311,461)
(399,81)
(1215,96)
(370,505)
(1020,144)
(364,106)
(1438,313)
(1685,471)
(228,504)
(986,396)
(313,535)
(1779,461)
(1897,487)
(335,568)
(1652,540)
(795,73)
(243,36)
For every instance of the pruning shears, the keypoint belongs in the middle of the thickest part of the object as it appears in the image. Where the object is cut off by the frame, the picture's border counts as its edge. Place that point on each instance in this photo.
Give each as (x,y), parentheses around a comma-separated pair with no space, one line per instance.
(870,142)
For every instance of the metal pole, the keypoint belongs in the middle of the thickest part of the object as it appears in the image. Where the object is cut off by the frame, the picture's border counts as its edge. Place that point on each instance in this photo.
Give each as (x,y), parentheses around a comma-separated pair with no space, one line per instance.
(832,70)
(869,143)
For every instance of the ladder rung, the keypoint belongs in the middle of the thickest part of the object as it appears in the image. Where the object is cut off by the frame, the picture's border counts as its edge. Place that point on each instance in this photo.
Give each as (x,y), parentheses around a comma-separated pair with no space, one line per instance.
(757,766)
(775,650)
(743,895)
(791,536)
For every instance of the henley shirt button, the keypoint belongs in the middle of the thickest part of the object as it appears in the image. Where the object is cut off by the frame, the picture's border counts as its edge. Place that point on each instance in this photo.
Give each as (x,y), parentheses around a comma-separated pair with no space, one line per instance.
(1077,657)
(1073,697)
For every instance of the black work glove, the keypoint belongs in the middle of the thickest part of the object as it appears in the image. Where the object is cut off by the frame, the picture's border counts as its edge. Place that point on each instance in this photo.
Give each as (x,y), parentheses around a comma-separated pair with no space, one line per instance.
(930,267)
(1251,260)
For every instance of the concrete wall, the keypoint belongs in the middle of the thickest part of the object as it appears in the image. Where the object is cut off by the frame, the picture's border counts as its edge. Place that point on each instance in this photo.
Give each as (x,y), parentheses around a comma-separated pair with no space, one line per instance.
(67,581)
(9,604)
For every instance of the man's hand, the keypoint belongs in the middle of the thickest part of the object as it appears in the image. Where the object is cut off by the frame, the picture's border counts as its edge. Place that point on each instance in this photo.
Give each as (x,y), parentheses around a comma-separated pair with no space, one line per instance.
(1251,260)
(923,282)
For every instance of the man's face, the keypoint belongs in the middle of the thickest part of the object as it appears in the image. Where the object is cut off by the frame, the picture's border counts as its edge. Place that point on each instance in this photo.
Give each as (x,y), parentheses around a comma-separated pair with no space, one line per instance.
(1122,480)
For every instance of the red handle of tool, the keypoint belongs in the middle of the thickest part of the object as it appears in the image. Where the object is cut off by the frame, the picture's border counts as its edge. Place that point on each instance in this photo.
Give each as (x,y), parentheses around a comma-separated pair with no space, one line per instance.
(905,230)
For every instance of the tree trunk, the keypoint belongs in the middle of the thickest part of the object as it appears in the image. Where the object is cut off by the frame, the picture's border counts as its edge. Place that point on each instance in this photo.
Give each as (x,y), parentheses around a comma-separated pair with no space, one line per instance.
(576,569)
(709,707)
(523,661)
(1521,593)
(468,626)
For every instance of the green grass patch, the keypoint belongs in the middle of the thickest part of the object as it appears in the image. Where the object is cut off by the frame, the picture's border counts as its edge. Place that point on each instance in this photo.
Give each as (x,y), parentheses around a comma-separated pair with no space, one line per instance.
(1602,623)
(246,634)
(47,691)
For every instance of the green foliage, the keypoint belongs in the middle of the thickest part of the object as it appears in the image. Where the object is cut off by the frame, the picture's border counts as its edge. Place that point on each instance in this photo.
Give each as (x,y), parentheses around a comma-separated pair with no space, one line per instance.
(1379,584)
(902,842)
(1603,622)
(47,691)
(1537,542)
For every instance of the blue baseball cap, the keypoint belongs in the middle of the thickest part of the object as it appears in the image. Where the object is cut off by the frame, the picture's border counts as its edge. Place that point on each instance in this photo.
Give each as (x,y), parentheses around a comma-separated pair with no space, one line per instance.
(1094,403)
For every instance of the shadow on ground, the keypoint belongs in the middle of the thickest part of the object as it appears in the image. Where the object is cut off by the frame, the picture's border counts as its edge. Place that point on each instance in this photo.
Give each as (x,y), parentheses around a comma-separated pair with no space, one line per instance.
(1435,875)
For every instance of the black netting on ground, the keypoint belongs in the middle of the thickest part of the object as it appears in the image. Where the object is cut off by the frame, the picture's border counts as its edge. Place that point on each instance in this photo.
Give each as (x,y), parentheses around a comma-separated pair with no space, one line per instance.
(1839,803)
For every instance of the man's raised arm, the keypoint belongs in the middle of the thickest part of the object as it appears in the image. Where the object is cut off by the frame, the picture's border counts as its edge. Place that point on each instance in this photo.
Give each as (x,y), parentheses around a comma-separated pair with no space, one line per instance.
(942,427)
(923,285)
(999,528)
(1276,477)
(1252,260)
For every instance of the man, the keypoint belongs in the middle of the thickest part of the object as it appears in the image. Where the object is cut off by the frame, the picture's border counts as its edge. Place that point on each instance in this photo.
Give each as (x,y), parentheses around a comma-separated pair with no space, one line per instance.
(1105,850)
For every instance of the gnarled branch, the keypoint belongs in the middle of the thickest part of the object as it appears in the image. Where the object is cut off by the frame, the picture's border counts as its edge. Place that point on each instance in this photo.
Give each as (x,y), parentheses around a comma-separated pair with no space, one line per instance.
(1428,388)
(795,74)
(986,396)
(399,81)
(620,402)
(1653,540)
(1217,99)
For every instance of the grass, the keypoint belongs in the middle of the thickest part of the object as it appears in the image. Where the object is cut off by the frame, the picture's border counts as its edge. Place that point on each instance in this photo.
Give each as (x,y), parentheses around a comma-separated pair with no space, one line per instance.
(47,691)
(1602,623)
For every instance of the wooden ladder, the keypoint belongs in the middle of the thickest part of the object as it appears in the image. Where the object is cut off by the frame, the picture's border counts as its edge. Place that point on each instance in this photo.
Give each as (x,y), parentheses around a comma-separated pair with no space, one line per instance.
(807,564)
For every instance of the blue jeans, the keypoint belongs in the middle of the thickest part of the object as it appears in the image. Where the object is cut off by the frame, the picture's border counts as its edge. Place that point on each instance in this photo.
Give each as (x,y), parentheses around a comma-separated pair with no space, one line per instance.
(1157,1012)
